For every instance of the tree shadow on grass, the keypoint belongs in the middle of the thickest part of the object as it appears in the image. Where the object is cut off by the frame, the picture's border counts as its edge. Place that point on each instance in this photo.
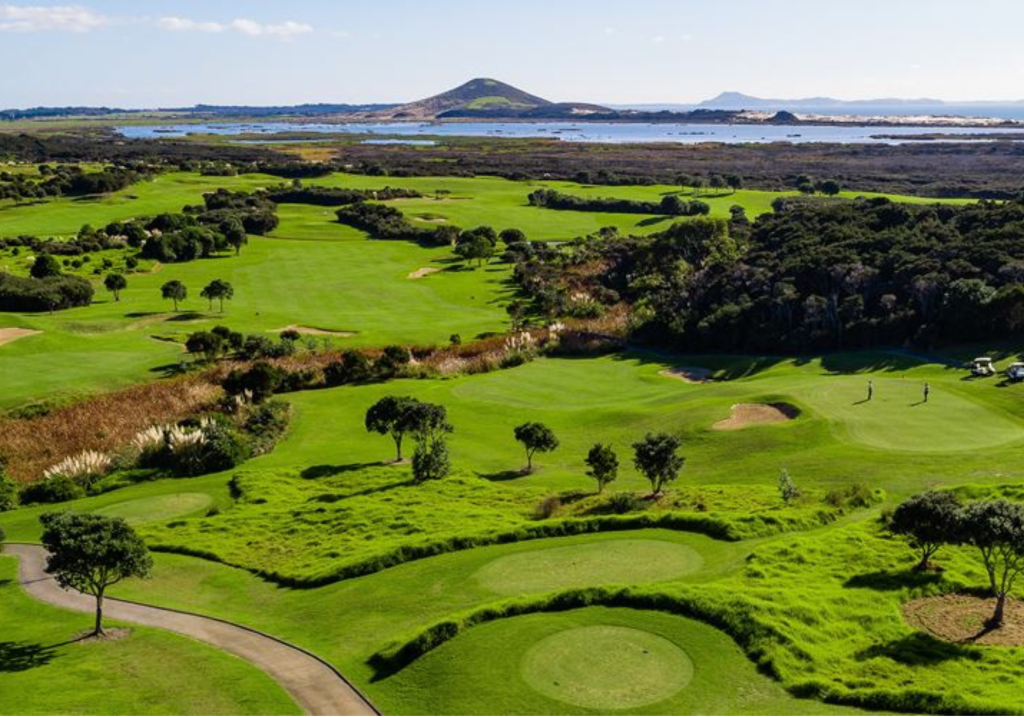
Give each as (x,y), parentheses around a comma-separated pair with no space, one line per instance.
(141,314)
(886,580)
(21,656)
(919,650)
(326,471)
(503,475)
(187,316)
(335,497)
(169,370)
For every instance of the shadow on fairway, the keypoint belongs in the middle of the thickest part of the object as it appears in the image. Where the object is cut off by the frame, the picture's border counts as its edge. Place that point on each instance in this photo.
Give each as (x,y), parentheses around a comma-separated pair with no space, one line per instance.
(169,370)
(919,650)
(187,316)
(884,580)
(326,471)
(21,656)
(503,475)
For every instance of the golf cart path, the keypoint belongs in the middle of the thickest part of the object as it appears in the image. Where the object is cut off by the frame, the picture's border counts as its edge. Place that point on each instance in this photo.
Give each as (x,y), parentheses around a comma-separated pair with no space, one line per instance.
(316,686)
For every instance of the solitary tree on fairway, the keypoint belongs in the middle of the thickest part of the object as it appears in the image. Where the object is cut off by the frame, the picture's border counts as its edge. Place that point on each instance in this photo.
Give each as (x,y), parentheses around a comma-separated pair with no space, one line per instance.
(217,289)
(428,421)
(996,529)
(392,415)
(604,465)
(175,291)
(89,553)
(535,437)
(928,521)
(656,458)
(115,283)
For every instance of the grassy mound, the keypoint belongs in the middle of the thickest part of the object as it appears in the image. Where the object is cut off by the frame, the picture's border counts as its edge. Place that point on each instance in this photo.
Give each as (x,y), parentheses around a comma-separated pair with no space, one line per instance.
(623,561)
(157,507)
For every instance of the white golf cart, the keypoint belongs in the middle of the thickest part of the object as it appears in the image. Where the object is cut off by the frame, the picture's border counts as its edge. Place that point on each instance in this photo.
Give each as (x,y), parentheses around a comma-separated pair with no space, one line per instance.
(1015,372)
(982,366)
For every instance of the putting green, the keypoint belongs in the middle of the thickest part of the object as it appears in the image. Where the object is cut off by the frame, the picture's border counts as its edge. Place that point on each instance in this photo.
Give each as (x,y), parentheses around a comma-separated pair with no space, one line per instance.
(896,418)
(613,561)
(157,507)
(607,667)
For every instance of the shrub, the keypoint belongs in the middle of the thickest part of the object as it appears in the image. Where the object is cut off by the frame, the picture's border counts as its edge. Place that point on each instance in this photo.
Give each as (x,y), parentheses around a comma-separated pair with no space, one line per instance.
(858,495)
(547,507)
(430,460)
(55,489)
(85,468)
(8,492)
(621,503)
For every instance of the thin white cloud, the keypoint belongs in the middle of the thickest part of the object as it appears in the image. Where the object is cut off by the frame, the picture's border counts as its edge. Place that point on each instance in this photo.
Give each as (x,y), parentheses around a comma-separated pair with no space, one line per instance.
(658,39)
(284,30)
(60,18)
(183,24)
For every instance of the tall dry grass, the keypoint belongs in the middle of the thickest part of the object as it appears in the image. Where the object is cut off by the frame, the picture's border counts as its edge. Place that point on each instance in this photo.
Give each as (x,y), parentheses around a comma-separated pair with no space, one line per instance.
(106,422)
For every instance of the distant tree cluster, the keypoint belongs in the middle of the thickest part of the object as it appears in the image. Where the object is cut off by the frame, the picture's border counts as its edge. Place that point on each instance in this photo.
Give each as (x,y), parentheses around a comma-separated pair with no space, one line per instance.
(383,222)
(49,293)
(335,196)
(671,204)
(71,180)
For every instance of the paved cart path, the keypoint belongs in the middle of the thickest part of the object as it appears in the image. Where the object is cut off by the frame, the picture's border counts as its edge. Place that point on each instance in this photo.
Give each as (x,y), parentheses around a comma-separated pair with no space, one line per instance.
(316,686)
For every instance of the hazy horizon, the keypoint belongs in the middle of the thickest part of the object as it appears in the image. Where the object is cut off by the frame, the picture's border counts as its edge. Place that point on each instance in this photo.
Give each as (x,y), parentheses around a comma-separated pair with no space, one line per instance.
(166,54)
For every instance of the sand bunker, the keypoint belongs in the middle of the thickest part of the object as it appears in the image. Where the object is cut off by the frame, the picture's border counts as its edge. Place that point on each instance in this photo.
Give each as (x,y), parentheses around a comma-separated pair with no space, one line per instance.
(9,335)
(312,331)
(424,271)
(755,414)
(689,374)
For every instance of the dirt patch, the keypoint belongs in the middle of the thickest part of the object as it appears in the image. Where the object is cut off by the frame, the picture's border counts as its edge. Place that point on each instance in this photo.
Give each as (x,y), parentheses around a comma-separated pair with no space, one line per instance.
(431,220)
(313,331)
(689,374)
(424,271)
(9,335)
(961,618)
(754,414)
(157,266)
(110,635)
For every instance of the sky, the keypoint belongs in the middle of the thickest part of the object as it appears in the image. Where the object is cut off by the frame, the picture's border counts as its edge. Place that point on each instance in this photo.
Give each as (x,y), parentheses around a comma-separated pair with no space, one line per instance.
(158,53)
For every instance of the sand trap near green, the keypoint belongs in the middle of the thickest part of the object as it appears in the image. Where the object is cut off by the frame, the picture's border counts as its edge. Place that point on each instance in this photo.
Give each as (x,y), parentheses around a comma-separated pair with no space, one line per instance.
(607,667)
(613,561)
(897,417)
(157,507)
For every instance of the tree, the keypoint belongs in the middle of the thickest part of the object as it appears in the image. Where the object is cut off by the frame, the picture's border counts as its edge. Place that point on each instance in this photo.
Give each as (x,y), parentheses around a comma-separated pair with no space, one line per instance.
(604,465)
(115,284)
(392,415)
(996,529)
(89,553)
(234,234)
(209,344)
(829,188)
(476,246)
(657,459)
(217,289)
(175,291)
(428,421)
(787,487)
(734,181)
(516,311)
(45,265)
(535,437)
(512,236)
(928,520)
(430,460)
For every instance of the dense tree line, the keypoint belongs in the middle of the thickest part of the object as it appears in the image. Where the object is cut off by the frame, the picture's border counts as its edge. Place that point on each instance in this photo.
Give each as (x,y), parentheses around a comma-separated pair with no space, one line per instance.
(52,293)
(335,196)
(383,222)
(223,222)
(813,275)
(70,180)
(671,204)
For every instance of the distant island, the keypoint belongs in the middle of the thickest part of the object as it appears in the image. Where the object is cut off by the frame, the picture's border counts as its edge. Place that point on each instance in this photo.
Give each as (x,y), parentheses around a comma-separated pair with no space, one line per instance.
(485,99)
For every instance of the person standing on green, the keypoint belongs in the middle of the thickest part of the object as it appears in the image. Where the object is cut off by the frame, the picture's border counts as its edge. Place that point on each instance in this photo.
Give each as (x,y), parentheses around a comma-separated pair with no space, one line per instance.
(871,388)
(927,389)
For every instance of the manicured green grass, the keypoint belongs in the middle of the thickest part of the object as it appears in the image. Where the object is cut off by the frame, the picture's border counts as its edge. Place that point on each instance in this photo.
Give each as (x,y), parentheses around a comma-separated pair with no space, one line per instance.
(140,511)
(629,561)
(46,669)
(592,661)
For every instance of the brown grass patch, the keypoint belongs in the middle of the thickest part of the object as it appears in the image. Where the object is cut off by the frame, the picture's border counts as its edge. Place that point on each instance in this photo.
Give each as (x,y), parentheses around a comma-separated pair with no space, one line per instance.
(962,618)
(313,331)
(688,374)
(753,414)
(106,422)
(9,335)
(423,271)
